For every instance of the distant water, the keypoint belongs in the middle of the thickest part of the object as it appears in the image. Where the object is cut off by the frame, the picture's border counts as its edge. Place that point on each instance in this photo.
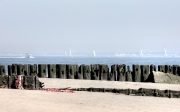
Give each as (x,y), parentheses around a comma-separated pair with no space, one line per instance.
(93,60)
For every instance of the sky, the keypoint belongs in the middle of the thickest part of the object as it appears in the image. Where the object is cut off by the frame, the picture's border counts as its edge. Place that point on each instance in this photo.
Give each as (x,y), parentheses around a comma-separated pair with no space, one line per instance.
(48,26)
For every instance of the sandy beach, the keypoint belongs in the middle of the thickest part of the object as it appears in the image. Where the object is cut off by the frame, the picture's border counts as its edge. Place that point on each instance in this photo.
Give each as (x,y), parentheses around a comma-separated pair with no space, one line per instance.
(13,100)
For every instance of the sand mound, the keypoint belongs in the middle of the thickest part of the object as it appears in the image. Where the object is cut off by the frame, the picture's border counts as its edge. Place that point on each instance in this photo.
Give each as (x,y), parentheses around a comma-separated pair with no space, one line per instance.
(160,77)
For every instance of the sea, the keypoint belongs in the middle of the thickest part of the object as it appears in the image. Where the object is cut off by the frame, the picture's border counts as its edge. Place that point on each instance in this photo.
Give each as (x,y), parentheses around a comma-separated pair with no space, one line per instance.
(91,60)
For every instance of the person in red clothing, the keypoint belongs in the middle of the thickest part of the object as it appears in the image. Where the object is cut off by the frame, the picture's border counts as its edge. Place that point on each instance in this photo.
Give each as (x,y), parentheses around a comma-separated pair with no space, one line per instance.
(18,83)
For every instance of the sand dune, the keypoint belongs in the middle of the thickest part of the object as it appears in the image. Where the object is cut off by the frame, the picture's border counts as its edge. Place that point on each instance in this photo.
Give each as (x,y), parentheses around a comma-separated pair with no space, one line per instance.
(13,100)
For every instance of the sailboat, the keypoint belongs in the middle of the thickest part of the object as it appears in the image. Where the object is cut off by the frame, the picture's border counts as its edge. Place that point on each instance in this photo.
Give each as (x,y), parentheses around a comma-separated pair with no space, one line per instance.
(70,53)
(141,53)
(65,54)
(165,53)
(94,53)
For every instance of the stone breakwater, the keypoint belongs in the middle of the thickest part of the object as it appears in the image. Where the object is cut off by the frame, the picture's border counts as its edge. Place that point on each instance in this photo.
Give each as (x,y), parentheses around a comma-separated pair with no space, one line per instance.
(116,72)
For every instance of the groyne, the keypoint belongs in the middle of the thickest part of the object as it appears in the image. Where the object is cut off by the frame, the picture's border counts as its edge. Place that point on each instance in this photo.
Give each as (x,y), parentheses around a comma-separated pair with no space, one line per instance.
(30,75)
(116,72)
(139,92)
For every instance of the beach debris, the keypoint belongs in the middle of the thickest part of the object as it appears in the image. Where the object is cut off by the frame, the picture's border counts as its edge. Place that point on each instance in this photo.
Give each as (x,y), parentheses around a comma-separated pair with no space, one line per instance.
(41,84)
(66,90)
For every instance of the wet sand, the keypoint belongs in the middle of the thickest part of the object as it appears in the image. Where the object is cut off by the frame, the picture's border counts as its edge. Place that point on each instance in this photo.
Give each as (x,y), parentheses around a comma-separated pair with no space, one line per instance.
(13,100)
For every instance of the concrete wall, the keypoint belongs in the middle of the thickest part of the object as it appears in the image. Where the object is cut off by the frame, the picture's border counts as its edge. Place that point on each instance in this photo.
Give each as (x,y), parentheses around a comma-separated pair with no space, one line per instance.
(116,72)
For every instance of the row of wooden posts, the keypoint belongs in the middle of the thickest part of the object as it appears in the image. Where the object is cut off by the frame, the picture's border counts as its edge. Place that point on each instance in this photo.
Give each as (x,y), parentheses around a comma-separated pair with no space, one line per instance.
(117,72)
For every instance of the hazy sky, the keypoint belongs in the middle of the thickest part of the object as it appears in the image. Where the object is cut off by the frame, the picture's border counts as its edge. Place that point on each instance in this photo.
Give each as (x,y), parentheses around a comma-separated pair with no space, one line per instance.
(86,25)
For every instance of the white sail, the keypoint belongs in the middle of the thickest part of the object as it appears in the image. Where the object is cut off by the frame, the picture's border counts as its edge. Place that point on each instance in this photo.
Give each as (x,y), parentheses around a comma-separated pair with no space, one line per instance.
(165,53)
(94,53)
(141,53)
(70,52)
(65,53)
